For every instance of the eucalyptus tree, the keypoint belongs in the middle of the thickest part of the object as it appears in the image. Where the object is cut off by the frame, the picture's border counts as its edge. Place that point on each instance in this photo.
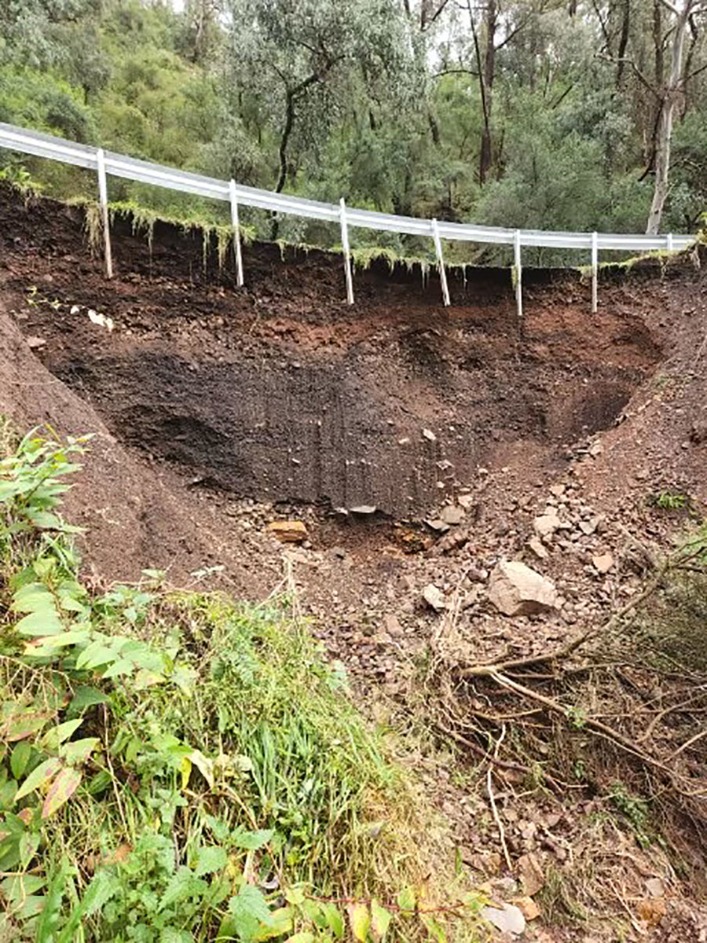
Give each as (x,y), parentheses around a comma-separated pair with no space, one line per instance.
(297,68)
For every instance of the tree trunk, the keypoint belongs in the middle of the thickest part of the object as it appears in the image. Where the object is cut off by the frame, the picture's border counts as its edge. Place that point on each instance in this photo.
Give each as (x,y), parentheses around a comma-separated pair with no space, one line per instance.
(664,132)
(486,67)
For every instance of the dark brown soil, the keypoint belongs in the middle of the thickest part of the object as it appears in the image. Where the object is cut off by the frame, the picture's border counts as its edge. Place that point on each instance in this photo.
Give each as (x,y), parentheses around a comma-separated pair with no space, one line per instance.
(281,392)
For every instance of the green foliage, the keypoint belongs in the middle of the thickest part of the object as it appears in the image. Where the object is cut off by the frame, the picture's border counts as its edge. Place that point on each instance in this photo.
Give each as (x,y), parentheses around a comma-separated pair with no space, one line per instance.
(176,768)
(375,100)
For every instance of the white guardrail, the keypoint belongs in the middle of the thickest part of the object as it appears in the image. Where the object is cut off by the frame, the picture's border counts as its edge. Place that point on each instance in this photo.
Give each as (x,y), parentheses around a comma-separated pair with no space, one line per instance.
(106,164)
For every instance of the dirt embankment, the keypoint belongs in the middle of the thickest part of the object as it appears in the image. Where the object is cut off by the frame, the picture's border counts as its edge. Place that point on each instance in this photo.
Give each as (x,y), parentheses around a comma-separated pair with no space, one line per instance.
(217,409)
(281,392)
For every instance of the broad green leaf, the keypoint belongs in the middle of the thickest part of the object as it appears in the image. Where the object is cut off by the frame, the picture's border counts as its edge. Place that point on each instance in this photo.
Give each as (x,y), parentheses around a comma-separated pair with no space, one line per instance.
(33,597)
(95,655)
(86,696)
(280,924)
(335,920)
(251,913)
(8,791)
(380,920)
(57,735)
(209,860)
(29,846)
(182,885)
(406,901)
(39,624)
(122,666)
(78,751)
(19,758)
(359,921)
(251,841)
(49,917)
(61,790)
(302,937)
(19,886)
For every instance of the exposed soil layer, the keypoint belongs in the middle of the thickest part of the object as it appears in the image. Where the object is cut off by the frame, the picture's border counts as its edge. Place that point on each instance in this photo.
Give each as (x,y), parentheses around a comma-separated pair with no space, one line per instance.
(281,392)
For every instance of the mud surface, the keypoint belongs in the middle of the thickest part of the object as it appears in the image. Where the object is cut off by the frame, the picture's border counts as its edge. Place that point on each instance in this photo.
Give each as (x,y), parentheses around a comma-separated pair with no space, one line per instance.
(281,392)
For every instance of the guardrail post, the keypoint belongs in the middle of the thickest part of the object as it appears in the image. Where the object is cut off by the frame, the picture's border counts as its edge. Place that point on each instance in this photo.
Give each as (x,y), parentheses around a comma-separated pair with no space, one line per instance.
(235,223)
(595,273)
(518,272)
(347,251)
(669,242)
(103,199)
(440,263)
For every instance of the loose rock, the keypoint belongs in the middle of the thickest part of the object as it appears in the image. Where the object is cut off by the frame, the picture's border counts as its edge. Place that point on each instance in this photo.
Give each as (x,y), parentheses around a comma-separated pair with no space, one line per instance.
(434,597)
(452,515)
(289,532)
(517,590)
(603,562)
(507,919)
(547,524)
(538,549)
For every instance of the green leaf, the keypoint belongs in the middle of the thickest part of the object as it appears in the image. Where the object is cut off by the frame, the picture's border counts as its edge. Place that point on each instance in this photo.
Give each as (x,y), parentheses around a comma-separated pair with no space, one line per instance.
(251,913)
(39,777)
(96,655)
(406,901)
(61,790)
(49,917)
(433,928)
(380,920)
(251,841)
(39,624)
(334,919)
(86,696)
(182,885)
(209,860)
(302,937)
(78,751)
(57,735)
(359,921)
(19,886)
(19,758)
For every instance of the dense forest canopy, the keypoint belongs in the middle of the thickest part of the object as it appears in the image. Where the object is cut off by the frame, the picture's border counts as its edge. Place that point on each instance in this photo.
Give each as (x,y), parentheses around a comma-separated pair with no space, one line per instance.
(557,114)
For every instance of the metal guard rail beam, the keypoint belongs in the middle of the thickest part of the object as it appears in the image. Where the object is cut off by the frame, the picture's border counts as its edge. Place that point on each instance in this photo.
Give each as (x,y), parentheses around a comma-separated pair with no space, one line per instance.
(129,168)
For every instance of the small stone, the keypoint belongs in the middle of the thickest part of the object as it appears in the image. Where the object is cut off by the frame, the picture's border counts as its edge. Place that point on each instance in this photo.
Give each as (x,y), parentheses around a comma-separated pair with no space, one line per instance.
(392,625)
(452,515)
(596,449)
(434,597)
(588,527)
(34,343)
(507,919)
(364,509)
(466,501)
(429,435)
(404,441)
(288,532)
(603,562)
(557,490)
(438,525)
(527,907)
(531,874)
(547,524)
(538,549)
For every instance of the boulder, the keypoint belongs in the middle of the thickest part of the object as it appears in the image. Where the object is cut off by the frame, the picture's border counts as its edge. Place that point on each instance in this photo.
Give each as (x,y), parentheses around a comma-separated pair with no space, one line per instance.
(517,590)
(288,532)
